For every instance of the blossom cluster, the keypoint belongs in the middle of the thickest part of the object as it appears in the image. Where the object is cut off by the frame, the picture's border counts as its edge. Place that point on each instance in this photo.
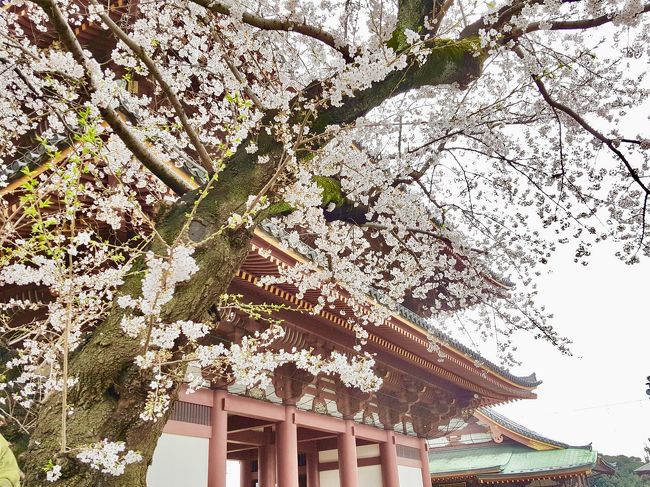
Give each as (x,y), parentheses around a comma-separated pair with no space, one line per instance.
(110,457)
(252,361)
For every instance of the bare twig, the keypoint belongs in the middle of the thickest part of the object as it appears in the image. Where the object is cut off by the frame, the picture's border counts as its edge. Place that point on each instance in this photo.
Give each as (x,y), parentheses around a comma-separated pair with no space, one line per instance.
(440,15)
(508,12)
(239,77)
(377,226)
(609,143)
(36,92)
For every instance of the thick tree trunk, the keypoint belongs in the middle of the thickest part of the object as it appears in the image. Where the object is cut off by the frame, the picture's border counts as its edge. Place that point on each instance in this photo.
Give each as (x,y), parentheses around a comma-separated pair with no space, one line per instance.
(111,391)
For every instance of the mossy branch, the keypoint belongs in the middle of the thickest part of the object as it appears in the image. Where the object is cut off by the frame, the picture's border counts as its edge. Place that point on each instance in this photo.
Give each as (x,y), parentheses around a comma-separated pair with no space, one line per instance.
(449,61)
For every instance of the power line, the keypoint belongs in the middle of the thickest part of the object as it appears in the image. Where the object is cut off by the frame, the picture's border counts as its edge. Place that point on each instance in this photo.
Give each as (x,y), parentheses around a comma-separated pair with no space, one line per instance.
(600,406)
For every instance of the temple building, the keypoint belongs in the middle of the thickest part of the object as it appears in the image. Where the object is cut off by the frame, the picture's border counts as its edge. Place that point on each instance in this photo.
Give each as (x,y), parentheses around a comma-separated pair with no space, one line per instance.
(313,431)
(306,431)
(643,471)
(489,449)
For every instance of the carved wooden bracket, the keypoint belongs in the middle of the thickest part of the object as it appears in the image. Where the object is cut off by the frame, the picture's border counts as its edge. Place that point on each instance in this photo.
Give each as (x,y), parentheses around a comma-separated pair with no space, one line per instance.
(349,401)
(391,410)
(290,383)
(497,434)
(468,406)
(319,404)
(292,338)
(233,324)
(435,407)
(412,391)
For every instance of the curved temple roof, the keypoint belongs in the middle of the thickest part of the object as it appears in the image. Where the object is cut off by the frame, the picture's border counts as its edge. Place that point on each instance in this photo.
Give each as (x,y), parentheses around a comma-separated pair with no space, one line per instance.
(510,425)
(643,470)
(526,455)
(525,381)
(529,381)
(503,461)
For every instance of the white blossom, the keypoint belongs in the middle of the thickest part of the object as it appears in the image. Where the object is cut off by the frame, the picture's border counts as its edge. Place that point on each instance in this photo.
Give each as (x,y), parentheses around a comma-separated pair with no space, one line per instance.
(110,457)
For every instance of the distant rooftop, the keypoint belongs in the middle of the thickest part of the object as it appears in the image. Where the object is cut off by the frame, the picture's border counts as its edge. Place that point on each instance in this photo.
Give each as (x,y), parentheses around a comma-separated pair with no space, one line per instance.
(522,430)
(644,470)
(510,460)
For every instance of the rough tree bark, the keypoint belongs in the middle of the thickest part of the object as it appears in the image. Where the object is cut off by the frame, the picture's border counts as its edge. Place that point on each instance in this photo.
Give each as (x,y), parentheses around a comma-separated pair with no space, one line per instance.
(111,391)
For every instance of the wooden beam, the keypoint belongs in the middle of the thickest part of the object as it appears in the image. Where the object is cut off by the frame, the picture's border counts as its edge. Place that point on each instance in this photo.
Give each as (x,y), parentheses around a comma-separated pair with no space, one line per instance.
(319,422)
(236,448)
(249,437)
(311,435)
(241,423)
(253,408)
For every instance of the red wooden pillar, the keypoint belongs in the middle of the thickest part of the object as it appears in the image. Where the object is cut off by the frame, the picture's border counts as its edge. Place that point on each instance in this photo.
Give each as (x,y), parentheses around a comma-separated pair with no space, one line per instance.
(424,459)
(246,474)
(287,449)
(313,475)
(218,448)
(266,460)
(388,457)
(347,445)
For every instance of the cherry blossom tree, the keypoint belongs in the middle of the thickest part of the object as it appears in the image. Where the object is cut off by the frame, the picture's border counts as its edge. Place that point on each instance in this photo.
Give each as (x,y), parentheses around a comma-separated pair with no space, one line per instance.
(435,152)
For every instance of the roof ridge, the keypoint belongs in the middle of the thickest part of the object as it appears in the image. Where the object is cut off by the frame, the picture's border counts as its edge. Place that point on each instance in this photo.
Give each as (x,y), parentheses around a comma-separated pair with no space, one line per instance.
(527,432)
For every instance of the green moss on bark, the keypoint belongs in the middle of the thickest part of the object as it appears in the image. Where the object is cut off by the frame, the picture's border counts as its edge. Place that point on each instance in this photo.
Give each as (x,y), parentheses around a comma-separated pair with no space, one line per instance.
(331,193)
(411,16)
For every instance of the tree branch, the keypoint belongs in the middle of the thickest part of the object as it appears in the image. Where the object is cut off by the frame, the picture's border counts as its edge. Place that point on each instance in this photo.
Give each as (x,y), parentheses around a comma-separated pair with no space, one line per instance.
(36,92)
(377,226)
(440,15)
(285,25)
(139,51)
(610,143)
(450,61)
(503,16)
(239,77)
(410,15)
(578,24)
(509,11)
(164,171)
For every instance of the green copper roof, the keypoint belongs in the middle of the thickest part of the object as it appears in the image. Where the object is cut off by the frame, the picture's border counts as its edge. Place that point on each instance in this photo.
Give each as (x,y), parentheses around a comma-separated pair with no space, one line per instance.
(506,460)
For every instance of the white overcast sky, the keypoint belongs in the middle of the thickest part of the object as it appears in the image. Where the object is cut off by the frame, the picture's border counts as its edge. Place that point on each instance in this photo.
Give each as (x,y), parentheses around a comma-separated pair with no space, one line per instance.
(598,395)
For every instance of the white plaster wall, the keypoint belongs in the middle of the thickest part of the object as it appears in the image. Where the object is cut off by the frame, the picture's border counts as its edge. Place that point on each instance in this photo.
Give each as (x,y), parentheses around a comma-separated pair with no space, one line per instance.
(179,460)
(329,478)
(365,451)
(409,476)
(368,477)
(325,456)
(371,476)
(368,451)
